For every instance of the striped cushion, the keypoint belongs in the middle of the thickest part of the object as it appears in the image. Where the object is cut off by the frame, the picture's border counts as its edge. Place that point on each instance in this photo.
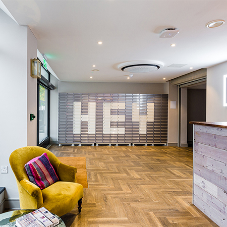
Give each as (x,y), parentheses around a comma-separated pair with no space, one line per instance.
(41,172)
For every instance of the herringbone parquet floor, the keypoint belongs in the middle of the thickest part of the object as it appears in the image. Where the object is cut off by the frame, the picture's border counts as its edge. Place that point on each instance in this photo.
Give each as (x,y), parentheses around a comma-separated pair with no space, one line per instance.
(135,187)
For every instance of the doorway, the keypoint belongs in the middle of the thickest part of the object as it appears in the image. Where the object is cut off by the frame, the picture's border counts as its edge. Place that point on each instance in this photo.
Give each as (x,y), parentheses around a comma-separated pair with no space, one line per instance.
(196,108)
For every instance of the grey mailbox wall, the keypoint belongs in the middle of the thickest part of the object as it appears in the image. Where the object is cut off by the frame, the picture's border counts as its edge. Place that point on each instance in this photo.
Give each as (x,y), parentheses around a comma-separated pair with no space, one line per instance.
(112,118)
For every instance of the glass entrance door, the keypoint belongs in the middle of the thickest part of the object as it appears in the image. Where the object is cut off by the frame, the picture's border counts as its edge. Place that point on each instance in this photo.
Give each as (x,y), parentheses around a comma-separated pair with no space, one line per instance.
(43,113)
(43,126)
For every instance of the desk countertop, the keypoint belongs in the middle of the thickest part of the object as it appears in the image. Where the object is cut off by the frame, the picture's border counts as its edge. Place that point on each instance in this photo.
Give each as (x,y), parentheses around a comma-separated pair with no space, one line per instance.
(212,124)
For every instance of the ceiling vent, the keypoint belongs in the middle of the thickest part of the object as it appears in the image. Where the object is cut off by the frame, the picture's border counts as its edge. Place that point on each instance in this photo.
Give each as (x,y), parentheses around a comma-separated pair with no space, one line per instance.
(140,66)
(169,33)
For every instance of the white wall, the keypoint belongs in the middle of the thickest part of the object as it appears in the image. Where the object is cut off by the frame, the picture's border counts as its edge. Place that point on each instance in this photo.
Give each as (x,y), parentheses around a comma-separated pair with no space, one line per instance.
(183,120)
(215,111)
(17,97)
(31,91)
(54,110)
(130,88)
(125,88)
(173,116)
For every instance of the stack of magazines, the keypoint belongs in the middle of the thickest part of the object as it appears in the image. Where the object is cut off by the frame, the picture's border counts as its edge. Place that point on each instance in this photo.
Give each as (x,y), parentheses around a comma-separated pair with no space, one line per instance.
(37,218)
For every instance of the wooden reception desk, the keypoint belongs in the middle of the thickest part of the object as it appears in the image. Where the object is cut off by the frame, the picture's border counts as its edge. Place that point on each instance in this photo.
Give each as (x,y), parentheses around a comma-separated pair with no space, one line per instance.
(210,170)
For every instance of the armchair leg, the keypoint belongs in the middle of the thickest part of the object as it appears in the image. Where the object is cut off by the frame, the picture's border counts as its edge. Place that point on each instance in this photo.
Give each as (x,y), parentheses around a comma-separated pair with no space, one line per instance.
(79,205)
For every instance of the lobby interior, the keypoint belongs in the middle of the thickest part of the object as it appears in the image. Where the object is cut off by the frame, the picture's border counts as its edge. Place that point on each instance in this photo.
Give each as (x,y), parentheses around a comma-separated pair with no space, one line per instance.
(190,69)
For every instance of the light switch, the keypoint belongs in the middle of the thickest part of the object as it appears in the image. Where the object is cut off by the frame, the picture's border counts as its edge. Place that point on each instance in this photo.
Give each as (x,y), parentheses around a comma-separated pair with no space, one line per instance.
(4,169)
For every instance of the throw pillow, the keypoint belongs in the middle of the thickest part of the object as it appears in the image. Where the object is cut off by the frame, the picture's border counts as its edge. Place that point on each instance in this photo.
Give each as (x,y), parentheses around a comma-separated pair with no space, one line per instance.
(41,172)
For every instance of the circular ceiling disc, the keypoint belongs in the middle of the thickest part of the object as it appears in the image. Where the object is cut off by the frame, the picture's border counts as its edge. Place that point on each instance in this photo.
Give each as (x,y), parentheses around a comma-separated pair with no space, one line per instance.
(140,66)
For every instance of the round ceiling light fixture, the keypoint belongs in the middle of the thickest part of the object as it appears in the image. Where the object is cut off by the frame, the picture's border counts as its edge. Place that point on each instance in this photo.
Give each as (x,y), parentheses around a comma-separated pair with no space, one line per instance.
(140,66)
(215,23)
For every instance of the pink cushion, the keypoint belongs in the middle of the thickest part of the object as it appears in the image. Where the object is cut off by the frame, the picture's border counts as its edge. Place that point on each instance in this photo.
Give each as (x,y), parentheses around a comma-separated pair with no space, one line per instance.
(41,172)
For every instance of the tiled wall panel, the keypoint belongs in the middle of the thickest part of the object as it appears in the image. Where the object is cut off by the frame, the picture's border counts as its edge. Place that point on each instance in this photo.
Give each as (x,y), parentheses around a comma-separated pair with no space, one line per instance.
(113,118)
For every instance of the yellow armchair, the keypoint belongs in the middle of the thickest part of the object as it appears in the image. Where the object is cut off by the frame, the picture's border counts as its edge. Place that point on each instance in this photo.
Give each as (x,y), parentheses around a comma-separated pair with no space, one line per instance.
(60,197)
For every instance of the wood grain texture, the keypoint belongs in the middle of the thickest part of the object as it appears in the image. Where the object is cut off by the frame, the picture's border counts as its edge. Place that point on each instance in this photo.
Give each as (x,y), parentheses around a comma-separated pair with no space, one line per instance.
(210,172)
(211,140)
(210,152)
(211,130)
(136,187)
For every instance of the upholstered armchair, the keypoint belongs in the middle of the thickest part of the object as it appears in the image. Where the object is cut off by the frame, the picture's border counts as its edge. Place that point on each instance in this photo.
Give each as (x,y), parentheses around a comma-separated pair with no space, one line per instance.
(60,197)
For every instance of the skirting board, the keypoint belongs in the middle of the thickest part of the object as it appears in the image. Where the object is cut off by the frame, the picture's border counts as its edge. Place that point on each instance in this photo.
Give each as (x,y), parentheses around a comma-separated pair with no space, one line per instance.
(2,206)
(172,144)
(184,145)
(12,204)
(54,142)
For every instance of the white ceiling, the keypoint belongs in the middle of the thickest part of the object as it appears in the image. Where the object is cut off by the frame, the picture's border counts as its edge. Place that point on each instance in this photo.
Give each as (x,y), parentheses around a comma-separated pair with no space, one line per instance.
(68,31)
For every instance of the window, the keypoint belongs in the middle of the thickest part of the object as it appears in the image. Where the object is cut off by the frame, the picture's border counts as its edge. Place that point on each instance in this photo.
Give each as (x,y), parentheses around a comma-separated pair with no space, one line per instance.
(43,127)
(43,113)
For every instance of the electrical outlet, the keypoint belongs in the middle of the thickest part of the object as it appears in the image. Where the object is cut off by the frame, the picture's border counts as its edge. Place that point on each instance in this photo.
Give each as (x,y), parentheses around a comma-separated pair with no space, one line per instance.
(4,169)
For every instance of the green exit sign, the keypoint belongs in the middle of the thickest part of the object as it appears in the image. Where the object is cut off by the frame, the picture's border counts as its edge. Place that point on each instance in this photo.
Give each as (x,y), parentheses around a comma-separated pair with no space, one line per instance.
(44,63)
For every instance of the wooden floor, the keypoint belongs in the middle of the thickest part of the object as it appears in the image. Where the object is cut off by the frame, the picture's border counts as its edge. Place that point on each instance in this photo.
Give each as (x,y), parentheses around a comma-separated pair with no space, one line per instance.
(135,186)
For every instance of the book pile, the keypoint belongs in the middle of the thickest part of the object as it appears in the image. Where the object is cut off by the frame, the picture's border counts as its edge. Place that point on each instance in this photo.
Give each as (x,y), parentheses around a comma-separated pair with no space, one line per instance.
(37,218)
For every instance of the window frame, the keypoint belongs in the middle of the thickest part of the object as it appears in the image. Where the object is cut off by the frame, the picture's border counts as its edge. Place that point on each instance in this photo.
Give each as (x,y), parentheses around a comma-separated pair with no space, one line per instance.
(45,142)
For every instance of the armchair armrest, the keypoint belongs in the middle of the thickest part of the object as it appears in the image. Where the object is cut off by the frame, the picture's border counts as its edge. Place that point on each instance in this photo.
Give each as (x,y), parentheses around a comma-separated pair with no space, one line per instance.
(67,173)
(33,191)
(31,188)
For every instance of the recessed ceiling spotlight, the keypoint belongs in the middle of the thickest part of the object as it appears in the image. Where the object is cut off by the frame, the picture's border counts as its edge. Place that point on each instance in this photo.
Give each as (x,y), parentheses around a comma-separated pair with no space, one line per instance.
(93,66)
(90,77)
(215,23)
(100,42)
(191,67)
(164,78)
(173,45)
(128,78)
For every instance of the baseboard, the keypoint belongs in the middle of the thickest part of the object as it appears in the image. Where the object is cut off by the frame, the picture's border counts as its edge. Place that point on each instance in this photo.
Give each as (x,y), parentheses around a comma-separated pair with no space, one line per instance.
(2,206)
(54,142)
(172,144)
(2,199)
(184,145)
(12,204)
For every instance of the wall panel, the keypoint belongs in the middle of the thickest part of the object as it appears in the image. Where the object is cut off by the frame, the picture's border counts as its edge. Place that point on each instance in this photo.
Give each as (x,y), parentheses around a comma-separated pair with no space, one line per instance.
(113,118)
(210,170)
